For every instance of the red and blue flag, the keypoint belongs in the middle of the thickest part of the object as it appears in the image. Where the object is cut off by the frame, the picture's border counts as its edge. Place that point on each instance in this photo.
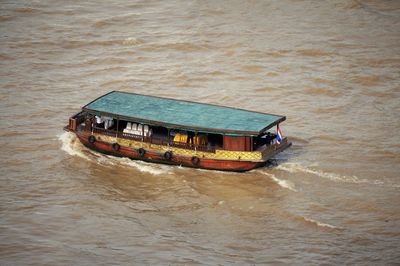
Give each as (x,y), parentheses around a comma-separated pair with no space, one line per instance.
(278,135)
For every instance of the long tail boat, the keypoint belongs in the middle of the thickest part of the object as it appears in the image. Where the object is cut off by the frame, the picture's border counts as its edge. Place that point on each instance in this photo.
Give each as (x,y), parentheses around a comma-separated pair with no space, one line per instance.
(171,131)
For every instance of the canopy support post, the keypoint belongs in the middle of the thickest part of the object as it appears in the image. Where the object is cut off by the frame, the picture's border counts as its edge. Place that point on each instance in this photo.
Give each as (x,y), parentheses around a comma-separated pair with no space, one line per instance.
(195,141)
(168,136)
(92,121)
(117,129)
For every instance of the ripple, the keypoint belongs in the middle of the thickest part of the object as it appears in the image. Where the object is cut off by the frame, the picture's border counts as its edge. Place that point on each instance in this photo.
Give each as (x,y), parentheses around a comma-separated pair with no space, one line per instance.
(313,53)
(369,81)
(322,92)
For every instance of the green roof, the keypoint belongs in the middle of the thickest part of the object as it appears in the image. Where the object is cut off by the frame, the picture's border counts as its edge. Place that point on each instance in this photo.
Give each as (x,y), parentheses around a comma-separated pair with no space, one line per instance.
(180,114)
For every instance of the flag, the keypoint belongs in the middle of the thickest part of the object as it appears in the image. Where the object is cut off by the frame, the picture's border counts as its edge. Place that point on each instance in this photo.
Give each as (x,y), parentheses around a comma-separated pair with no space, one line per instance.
(278,135)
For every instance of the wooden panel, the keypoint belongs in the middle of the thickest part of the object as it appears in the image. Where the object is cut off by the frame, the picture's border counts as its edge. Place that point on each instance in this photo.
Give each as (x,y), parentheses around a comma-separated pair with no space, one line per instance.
(76,120)
(72,124)
(237,143)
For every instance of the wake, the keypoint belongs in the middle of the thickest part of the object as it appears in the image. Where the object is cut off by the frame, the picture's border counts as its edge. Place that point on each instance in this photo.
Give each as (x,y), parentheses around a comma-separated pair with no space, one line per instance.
(281,182)
(72,146)
(320,224)
(298,168)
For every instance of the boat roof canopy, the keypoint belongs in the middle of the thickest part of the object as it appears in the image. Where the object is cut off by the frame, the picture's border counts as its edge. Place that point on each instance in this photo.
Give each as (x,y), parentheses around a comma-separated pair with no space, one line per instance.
(179,114)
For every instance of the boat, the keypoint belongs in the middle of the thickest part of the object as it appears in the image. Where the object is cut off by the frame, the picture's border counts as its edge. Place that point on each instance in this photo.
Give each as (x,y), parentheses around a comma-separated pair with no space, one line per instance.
(178,132)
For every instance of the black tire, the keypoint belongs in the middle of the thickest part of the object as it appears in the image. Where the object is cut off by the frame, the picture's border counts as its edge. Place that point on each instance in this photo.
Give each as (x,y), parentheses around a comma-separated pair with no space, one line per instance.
(168,155)
(141,152)
(116,147)
(92,139)
(195,160)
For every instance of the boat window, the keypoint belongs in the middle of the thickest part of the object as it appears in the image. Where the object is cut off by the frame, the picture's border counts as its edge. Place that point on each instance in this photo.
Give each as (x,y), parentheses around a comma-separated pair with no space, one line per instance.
(215,140)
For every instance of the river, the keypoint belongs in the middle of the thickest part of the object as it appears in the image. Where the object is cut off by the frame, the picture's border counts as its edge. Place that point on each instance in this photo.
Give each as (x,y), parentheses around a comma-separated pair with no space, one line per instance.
(331,67)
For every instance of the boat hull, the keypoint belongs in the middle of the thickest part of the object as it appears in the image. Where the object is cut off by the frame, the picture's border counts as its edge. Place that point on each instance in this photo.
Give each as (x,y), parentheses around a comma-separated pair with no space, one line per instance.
(159,157)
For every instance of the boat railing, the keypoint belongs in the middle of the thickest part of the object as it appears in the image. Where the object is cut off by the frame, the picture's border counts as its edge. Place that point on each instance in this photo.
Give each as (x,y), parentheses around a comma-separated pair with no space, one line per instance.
(107,132)
(273,147)
(159,141)
(193,146)
(153,140)
(132,136)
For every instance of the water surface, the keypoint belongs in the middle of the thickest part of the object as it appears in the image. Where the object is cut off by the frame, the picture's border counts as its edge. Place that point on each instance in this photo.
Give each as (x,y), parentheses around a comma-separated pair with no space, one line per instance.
(331,67)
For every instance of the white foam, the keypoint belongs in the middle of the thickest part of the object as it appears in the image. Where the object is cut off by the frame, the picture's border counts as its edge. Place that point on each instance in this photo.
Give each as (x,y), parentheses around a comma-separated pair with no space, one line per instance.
(320,224)
(70,145)
(131,41)
(144,167)
(283,183)
(104,160)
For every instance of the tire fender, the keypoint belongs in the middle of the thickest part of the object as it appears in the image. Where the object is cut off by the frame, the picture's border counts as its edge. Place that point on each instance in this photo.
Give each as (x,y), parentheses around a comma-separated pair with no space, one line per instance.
(195,160)
(168,155)
(116,146)
(92,139)
(141,152)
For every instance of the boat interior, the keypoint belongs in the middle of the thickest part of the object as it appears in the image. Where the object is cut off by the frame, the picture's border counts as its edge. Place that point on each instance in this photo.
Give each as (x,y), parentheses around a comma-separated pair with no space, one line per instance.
(157,134)
(174,137)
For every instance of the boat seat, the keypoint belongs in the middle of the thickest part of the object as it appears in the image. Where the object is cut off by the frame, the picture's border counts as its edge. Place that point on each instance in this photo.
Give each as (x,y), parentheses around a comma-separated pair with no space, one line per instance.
(135,132)
(138,129)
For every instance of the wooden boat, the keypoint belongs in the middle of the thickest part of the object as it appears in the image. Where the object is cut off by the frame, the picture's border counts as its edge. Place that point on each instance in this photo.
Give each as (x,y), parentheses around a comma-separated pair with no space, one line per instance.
(178,132)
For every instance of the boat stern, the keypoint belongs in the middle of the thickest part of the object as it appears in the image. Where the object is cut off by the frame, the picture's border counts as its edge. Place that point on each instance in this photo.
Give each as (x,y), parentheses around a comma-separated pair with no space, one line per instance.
(75,121)
(271,150)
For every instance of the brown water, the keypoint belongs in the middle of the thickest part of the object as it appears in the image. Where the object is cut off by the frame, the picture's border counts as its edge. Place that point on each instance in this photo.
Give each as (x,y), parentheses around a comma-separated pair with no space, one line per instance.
(332,67)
